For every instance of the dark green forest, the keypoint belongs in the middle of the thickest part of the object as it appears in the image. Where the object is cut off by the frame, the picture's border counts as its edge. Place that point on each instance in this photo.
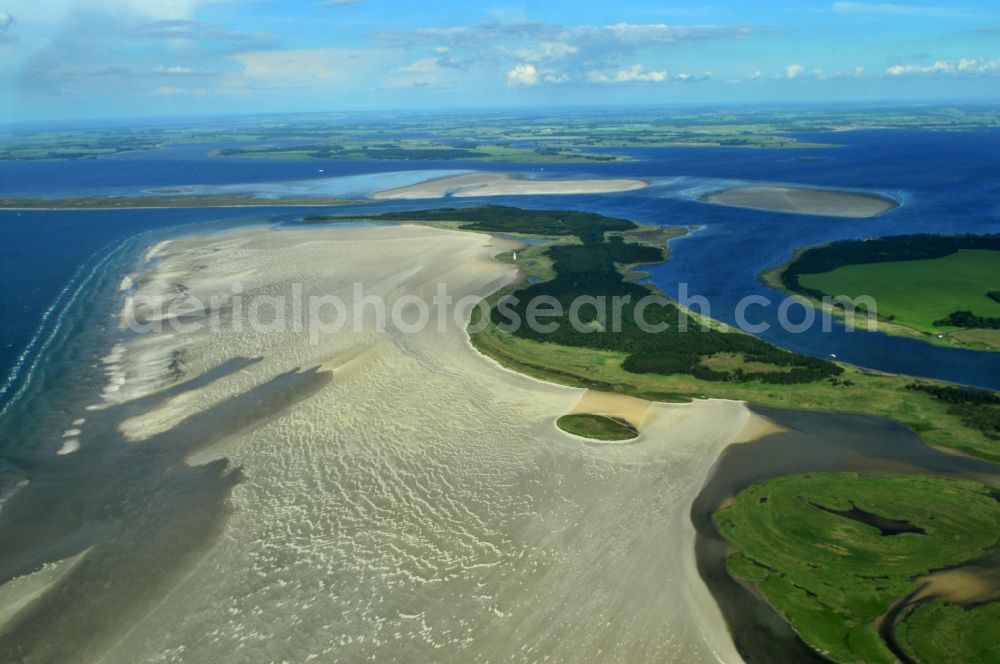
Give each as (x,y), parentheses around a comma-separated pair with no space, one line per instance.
(591,269)
(969,320)
(589,227)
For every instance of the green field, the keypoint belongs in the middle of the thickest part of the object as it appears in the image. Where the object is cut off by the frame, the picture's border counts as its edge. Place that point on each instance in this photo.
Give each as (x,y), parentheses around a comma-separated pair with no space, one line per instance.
(832,574)
(596,427)
(917,293)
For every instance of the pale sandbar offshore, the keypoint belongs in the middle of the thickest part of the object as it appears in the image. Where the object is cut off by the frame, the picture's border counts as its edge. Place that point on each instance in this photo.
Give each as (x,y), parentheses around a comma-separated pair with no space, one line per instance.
(804,200)
(506,184)
(420,504)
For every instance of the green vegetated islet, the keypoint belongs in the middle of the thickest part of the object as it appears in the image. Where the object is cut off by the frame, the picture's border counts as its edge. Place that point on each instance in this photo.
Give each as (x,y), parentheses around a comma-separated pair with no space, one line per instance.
(833,576)
(597,427)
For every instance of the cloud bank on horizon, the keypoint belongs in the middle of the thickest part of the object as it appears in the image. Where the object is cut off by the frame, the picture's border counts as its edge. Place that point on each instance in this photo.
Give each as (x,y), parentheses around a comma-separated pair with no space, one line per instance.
(112,58)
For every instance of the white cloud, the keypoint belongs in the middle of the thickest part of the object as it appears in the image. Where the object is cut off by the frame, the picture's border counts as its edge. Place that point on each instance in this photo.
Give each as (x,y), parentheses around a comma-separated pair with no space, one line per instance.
(891,8)
(179,31)
(964,66)
(547,51)
(794,71)
(174,70)
(423,72)
(523,74)
(150,10)
(660,33)
(6,34)
(633,74)
(170,90)
(559,53)
(303,67)
(424,66)
(599,40)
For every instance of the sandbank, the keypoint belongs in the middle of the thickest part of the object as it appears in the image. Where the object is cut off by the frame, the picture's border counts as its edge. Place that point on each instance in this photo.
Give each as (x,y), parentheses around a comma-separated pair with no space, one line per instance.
(505,184)
(804,200)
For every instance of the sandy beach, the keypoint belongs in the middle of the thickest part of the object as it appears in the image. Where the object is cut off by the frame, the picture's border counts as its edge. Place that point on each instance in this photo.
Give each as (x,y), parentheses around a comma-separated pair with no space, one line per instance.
(418,503)
(505,184)
(803,200)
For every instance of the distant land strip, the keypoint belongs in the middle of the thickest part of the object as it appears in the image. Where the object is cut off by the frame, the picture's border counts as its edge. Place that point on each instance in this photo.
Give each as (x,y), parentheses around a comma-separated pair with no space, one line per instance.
(139,202)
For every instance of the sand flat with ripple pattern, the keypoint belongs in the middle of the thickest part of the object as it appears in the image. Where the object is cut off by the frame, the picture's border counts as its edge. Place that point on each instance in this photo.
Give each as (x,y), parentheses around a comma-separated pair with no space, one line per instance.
(421,505)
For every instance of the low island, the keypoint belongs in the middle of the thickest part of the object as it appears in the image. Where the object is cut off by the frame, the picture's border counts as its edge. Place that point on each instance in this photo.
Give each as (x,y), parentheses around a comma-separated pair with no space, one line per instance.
(804,200)
(506,184)
(850,561)
(597,427)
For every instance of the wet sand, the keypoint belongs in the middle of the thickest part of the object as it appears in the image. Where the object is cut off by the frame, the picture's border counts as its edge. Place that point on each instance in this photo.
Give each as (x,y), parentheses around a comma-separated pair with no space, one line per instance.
(634,411)
(803,200)
(399,496)
(505,184)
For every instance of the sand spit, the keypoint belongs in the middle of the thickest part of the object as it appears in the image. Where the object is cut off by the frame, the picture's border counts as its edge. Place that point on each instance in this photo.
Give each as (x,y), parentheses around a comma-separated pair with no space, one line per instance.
(420,505)
(506,184)
(803,200)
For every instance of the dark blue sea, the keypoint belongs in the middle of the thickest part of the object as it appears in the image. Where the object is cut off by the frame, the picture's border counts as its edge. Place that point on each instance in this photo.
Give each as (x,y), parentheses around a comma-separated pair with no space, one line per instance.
(51,263)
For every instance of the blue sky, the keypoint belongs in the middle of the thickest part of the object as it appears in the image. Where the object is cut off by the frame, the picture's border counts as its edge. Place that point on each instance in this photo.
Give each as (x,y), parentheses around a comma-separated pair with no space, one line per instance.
(121,58)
